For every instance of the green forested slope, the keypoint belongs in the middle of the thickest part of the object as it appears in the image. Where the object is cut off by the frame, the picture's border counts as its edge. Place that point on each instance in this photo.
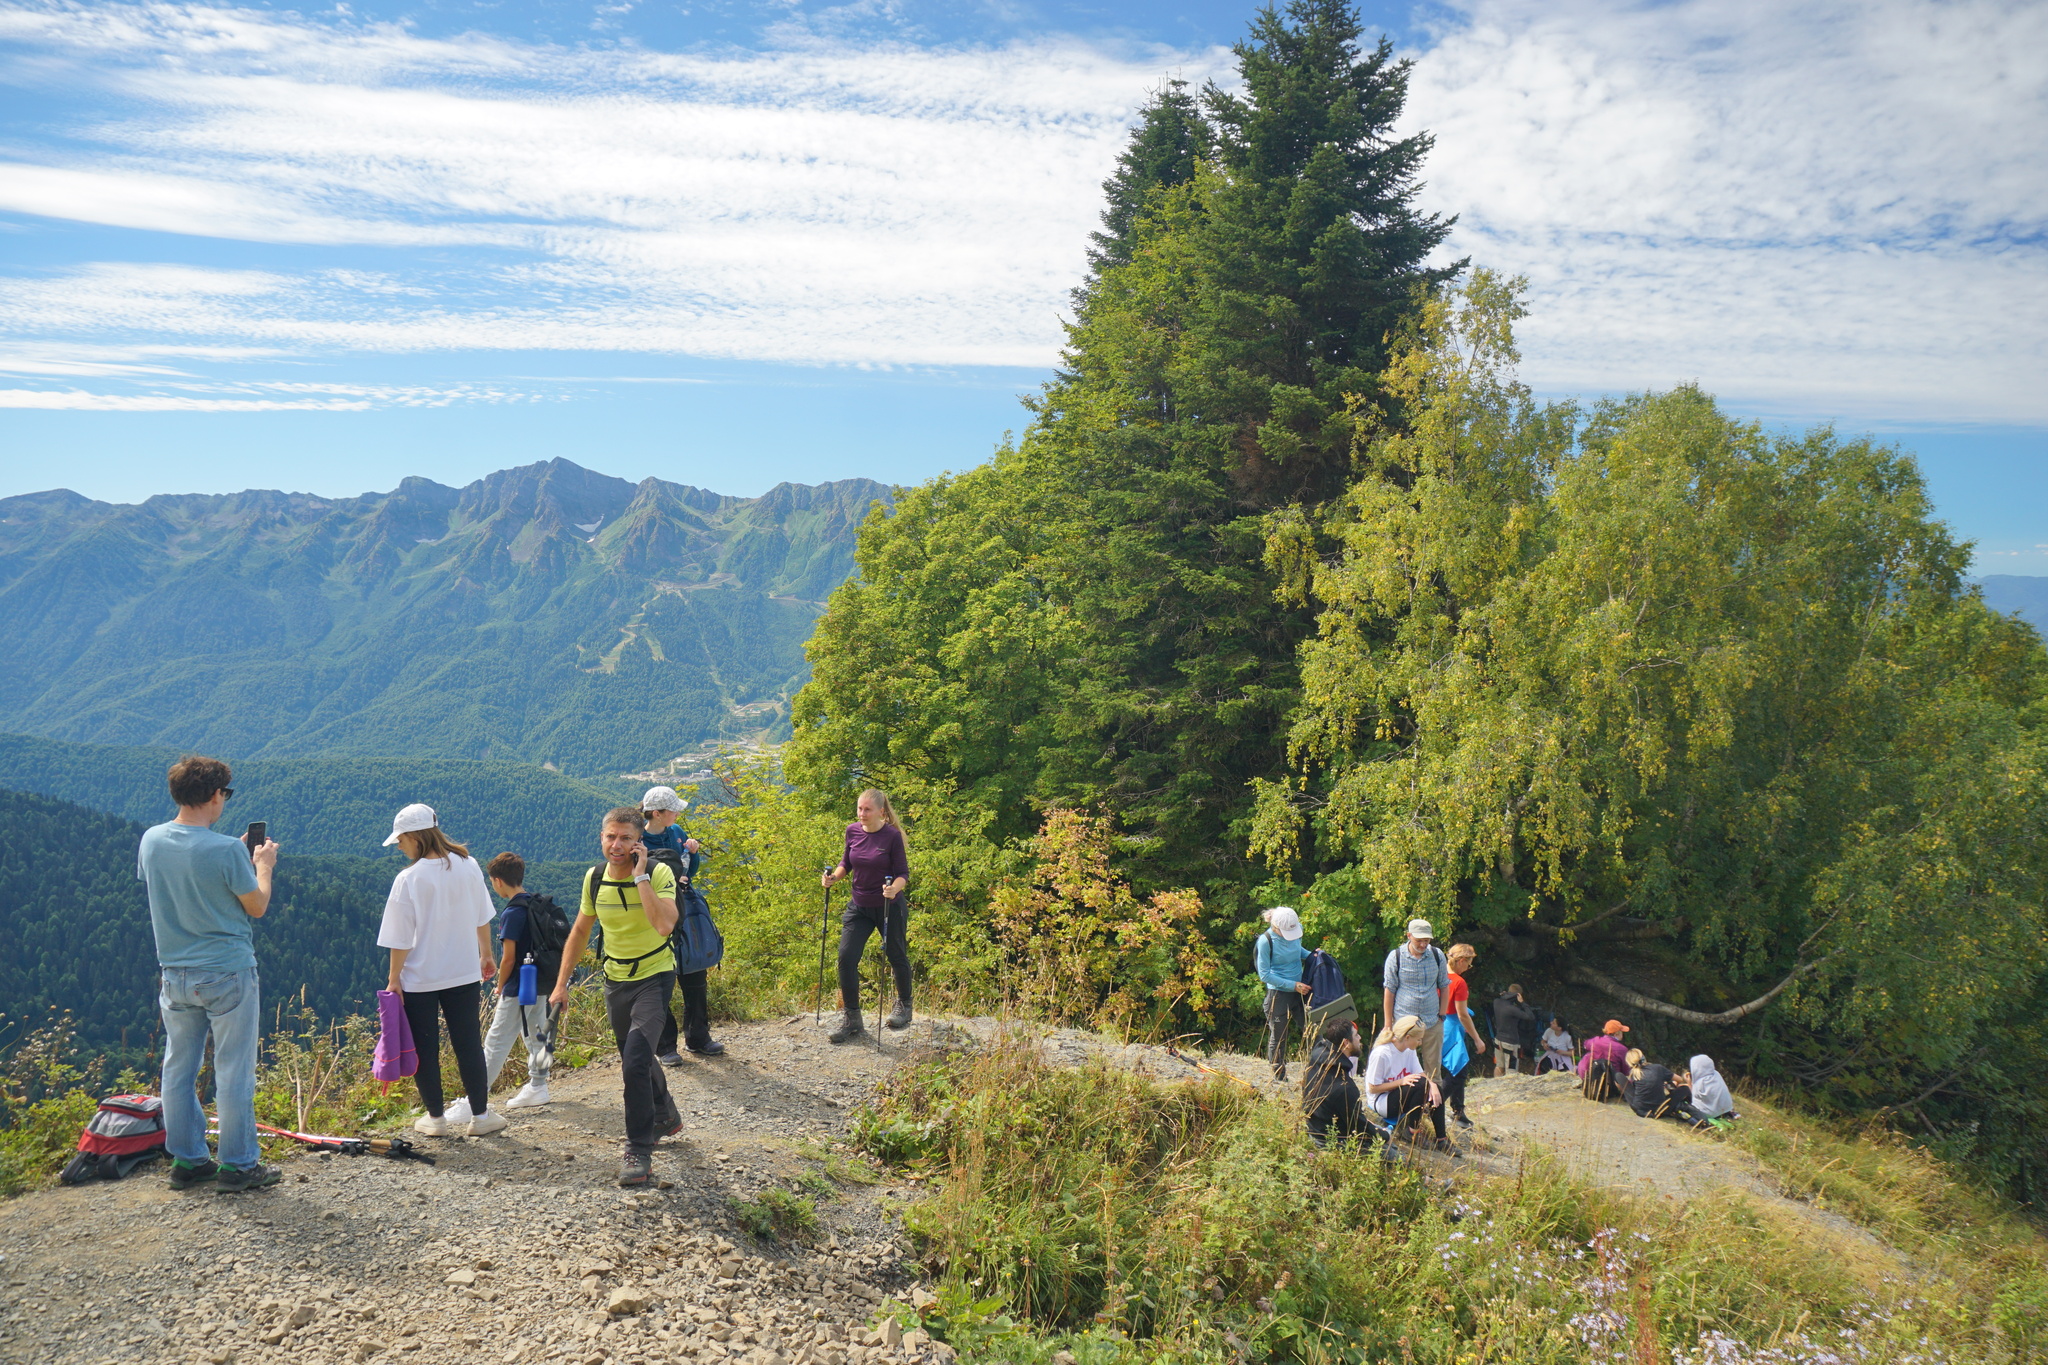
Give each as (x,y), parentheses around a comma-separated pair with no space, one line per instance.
(76,924)
(543,614)
(332,805)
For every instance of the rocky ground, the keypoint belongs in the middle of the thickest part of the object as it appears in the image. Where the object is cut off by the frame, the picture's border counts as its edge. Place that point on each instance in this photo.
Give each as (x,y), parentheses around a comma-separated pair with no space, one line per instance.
(519,1247)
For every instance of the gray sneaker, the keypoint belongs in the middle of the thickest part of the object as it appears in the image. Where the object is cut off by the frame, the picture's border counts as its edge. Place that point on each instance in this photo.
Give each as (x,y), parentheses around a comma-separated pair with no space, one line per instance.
(257,1177)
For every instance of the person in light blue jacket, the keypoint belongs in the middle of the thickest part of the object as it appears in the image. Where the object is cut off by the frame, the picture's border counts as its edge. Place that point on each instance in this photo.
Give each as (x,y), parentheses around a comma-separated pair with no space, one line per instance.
(1279,961)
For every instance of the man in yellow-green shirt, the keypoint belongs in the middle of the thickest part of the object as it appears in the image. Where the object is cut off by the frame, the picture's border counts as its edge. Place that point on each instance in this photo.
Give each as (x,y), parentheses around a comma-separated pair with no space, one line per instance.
(636,904)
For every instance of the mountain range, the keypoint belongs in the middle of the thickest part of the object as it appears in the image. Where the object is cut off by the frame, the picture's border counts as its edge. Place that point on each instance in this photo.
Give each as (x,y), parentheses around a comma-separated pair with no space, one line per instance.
(546,614)
(2021,595)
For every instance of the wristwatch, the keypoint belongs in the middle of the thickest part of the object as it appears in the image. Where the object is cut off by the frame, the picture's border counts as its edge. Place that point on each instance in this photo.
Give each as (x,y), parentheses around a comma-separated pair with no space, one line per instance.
(639,877)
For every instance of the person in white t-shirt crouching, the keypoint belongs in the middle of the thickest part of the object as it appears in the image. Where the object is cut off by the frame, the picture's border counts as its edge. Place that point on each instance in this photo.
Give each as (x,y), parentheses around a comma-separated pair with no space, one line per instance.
(437,924)
(1398,1086)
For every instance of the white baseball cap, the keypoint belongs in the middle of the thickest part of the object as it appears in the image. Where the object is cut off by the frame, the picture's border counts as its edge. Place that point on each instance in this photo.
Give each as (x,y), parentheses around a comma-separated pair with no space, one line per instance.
(663,798)
(1285,922)
(1419,928)
(411,820)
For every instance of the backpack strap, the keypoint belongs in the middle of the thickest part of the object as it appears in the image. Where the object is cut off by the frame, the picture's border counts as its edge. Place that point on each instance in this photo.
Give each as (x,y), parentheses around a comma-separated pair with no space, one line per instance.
(593,886)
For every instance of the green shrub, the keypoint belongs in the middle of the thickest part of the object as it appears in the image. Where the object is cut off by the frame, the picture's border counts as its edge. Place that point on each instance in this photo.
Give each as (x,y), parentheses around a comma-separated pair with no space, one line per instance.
(778,1216)
(41,1138)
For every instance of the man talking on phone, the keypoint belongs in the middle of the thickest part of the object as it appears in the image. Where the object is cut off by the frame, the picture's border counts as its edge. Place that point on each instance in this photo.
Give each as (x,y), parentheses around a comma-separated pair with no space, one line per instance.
(206,891)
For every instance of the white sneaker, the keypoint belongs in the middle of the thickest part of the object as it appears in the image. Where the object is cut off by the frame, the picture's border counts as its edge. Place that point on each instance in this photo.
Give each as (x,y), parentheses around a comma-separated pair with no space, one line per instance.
(458,1112)
(431,1126)
(488,1122)
(530,1096)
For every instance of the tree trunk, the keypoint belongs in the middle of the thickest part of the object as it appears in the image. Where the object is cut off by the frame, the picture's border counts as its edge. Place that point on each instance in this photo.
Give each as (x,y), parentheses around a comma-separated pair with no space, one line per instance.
(1586,976)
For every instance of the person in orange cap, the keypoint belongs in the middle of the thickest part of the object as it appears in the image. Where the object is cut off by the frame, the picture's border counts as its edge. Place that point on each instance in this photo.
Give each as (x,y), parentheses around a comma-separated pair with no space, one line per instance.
(1607,1048)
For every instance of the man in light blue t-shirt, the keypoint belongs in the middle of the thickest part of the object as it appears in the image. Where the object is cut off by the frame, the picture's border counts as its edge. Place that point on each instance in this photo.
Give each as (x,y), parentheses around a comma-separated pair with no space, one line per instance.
(206,890)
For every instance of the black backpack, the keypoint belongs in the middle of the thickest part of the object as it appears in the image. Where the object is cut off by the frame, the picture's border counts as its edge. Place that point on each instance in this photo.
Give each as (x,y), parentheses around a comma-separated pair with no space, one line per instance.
(547,933)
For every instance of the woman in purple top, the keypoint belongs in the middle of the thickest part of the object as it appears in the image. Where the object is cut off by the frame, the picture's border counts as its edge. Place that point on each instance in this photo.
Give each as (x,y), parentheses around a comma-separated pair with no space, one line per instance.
(876,861)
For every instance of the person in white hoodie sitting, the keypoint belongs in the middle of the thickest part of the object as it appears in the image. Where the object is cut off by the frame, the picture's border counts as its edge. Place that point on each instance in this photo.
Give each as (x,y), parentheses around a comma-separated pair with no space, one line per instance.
(1710,1096)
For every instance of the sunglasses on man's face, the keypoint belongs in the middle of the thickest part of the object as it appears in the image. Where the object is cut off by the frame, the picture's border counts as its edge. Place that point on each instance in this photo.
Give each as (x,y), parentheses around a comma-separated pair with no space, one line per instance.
(226,792)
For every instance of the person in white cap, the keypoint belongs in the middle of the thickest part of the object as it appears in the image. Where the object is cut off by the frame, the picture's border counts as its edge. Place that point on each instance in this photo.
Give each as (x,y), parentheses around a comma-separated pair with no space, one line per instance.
(1278,961)
(1416,979)
(663,809)
(437,925)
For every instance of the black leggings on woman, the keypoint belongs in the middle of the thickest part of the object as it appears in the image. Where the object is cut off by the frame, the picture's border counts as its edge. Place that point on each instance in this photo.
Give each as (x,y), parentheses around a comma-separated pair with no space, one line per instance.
(1404,1100)
(458,1005)
(856,926)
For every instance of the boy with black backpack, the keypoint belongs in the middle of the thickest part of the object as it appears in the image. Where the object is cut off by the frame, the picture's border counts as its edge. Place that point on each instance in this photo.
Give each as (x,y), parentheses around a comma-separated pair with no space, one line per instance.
(533,929)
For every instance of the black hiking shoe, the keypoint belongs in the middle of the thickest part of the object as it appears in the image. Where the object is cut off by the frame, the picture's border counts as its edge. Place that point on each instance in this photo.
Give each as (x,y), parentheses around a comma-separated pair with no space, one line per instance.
(850,1028)
(184,1177)
(1463,1122)
(1449,1149)
(710,1047)
(636,1171)
(257,1177)
(898,1017)
(669,1058)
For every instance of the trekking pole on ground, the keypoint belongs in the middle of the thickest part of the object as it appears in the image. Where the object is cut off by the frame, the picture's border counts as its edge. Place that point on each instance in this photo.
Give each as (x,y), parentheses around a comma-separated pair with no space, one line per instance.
(882,985)
(824,931)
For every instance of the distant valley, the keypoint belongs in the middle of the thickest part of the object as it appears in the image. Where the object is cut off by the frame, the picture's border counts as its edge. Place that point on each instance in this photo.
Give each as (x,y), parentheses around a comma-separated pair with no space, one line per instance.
(2023,596)
(542,615)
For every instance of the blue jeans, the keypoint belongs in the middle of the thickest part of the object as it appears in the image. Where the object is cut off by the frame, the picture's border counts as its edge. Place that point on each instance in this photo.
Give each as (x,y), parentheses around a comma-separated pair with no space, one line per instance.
(194,1001)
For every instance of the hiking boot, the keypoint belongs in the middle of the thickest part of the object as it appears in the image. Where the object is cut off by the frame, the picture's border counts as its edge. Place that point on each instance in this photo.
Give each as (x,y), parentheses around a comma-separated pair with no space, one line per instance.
(1280,1072)
(257,1177)
(488,1122)
(898,1017)
(710,1047)
(1463,1122)
(850,1028)
(669,1058)
(433,1125)
(458,1113)
(636,1171)
(1449,1149)
(530,1096)
(184,1177)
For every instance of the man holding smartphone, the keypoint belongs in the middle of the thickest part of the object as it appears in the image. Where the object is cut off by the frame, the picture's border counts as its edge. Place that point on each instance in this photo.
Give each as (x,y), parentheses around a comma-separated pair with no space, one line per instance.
(635,899)
(206,891)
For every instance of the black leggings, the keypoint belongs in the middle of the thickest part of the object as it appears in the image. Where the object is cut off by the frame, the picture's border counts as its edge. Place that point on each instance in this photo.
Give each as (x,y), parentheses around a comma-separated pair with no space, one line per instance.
(1413,1099)
(1454,1090)
(458,1005)
(856,926)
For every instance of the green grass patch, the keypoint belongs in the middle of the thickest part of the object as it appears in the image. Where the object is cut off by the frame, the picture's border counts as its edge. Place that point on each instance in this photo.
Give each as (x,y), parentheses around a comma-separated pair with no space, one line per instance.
(778,1215)
(1131,1220)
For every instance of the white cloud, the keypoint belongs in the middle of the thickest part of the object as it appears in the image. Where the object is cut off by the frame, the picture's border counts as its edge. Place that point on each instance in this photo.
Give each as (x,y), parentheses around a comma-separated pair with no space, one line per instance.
(1813,208)
(260,397)
(818,204)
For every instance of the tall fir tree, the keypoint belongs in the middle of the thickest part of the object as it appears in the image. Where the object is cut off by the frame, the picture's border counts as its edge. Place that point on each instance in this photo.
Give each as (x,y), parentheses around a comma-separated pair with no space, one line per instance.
(1089,620)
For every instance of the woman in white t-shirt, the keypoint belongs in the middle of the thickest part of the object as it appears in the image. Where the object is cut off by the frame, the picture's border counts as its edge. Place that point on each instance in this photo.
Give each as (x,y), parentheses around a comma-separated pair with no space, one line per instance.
(437,924)
(1557,1048)
(1396,1082)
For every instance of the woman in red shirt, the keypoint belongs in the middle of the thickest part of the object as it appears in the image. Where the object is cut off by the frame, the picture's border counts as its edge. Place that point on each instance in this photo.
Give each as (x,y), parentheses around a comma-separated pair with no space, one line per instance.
(1461,957)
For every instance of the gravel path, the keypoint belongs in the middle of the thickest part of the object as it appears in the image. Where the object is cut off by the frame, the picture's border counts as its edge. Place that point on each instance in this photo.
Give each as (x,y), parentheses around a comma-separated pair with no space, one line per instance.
(516,1247)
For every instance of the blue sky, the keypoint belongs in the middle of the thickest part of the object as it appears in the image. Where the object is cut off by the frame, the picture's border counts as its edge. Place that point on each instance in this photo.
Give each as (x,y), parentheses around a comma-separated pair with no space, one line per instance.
(735,243)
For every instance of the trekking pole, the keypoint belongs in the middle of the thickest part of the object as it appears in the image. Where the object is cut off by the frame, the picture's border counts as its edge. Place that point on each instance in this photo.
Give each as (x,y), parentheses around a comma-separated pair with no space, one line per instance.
(882,983)
(824,931)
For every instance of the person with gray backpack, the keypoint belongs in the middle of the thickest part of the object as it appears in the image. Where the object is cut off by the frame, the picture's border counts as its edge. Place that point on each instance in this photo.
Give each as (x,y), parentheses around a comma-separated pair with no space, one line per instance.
(1416,979)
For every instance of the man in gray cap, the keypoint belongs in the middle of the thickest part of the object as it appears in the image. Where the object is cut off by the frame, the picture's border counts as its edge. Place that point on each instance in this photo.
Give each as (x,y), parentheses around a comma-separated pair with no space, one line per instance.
(1417,980)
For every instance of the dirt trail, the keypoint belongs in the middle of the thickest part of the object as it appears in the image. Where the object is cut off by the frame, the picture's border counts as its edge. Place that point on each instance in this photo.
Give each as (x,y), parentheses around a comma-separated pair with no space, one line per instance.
(514,1247)
(509,1249)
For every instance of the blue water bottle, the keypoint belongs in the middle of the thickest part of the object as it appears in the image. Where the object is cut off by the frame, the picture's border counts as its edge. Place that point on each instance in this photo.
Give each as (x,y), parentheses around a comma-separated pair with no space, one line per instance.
(527,975)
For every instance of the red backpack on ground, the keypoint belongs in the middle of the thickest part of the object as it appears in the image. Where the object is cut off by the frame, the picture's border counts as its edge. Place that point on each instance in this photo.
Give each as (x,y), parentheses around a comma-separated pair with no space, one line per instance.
(127,1131)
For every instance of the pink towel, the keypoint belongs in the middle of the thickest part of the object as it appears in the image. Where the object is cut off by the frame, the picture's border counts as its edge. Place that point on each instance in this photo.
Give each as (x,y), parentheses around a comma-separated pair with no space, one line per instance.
(396,1056)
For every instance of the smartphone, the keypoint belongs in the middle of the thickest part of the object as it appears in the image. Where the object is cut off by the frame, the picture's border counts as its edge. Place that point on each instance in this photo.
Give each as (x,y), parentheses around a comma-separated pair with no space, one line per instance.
(254,838)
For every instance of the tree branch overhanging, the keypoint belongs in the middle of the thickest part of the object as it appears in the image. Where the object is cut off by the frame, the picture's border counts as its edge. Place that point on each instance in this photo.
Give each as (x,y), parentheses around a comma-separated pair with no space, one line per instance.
(1586,976)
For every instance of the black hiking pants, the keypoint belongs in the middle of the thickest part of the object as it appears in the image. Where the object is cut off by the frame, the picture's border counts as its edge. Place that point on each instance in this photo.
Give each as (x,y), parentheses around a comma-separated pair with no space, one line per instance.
(424,1011)
(696,1029)
(1405,1100)
(1284,1010)
(637,1009)
(1454,1091)
(857,924)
